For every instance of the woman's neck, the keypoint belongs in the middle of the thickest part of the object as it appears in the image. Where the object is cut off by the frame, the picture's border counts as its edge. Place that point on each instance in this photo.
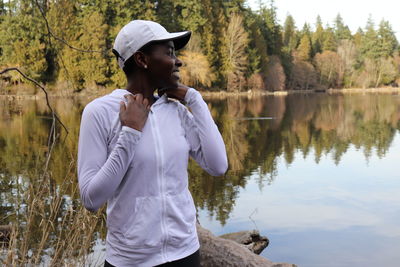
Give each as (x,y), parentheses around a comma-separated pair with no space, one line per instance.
(141,85)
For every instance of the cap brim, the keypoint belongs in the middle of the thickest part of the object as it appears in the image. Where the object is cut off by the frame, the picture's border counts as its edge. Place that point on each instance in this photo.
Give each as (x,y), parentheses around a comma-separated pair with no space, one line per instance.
(180,39)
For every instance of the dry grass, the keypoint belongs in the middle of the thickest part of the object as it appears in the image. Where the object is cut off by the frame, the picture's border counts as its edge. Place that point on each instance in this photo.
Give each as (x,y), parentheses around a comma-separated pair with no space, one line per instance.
(52,230)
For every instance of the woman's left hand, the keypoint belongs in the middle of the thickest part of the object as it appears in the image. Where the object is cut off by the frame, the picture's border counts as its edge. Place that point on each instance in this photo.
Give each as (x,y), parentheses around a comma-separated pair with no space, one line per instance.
(178,93)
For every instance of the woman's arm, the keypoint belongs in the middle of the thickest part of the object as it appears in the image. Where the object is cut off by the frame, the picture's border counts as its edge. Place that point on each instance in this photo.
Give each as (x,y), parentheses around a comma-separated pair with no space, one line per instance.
(98,175)
(206,144)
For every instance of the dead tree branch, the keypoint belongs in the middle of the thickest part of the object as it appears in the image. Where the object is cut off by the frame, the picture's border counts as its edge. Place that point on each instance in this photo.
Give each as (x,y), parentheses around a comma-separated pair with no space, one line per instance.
(41,87)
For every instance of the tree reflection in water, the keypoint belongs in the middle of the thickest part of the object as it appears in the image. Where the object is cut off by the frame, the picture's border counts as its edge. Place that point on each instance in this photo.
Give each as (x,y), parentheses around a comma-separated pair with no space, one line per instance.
(314,124)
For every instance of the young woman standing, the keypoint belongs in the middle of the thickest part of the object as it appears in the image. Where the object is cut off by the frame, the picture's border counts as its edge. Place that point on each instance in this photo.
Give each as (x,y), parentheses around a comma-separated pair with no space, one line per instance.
(134,150)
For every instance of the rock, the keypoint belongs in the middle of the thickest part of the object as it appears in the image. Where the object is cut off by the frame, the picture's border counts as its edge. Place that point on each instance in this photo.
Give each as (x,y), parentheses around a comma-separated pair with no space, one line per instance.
(249,239)
(216,251)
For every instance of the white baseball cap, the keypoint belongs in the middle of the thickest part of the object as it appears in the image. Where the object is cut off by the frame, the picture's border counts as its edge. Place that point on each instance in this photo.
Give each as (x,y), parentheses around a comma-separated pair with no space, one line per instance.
(138,33)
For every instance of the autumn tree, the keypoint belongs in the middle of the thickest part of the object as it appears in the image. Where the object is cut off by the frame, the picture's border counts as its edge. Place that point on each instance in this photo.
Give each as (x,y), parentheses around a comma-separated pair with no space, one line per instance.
(196,70)
(348,53)
(303,75)
(328,66)
(305,49)
(275,79)
(236,41)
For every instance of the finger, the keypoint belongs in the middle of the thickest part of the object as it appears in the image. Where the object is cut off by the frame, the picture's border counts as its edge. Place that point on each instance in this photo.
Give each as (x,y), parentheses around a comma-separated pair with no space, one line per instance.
(139,98)
(129,97)
(122,106)
(145,102)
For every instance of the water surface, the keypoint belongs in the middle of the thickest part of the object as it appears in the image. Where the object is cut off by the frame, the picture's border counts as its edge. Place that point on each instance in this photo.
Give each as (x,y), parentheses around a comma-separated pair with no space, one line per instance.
(318,174)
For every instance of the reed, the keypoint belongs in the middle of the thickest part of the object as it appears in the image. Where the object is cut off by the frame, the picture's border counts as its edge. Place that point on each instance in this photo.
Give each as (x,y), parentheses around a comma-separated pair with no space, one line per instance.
(51,229)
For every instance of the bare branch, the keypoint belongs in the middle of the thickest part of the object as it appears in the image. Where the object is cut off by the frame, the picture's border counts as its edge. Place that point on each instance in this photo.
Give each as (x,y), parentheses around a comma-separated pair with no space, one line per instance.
(41,87)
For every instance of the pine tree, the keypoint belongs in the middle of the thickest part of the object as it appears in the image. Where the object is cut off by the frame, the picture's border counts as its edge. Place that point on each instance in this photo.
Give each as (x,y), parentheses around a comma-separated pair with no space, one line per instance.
(387,39)
(190,15)
(89,69)
(289,34)
(213,41)
(22,40)
(306,30)
(342,31)
(271,30)
(61,17)
(318,36)
(258,57)
(329,43)
(369,43)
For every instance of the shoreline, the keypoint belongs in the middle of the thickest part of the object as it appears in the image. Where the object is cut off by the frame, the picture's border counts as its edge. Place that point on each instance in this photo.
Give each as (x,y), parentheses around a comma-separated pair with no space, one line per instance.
(225,94)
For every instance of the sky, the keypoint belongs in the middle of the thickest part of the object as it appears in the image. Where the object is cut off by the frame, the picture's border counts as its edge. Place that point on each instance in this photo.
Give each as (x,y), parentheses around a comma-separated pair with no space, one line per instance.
(354,12)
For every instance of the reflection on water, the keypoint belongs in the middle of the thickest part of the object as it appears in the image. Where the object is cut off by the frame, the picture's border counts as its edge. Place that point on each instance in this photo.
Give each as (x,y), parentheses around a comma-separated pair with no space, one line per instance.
(316,173)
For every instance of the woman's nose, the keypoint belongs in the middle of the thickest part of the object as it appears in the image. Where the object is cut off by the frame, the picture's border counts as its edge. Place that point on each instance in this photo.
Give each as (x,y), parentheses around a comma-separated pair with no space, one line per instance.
(178,62)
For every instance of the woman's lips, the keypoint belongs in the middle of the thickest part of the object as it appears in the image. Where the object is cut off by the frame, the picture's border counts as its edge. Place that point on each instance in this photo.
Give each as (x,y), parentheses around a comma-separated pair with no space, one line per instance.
(176,74)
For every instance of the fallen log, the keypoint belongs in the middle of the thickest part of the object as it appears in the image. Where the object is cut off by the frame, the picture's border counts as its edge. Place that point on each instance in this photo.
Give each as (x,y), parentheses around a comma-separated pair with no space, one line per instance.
(217,251)
(252,240)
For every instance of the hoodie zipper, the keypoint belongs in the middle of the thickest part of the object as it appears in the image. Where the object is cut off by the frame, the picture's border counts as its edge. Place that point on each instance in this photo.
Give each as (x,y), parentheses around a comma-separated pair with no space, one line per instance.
(161,181)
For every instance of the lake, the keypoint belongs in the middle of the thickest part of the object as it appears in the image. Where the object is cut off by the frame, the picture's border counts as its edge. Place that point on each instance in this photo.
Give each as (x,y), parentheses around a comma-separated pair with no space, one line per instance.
(315,173)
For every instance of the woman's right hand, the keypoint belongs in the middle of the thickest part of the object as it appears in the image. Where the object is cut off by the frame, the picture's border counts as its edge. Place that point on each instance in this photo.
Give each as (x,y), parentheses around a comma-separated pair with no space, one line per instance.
(134,113)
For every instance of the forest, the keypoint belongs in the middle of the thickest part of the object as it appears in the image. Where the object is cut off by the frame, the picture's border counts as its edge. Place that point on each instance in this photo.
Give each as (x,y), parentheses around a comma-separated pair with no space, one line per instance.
(67,44)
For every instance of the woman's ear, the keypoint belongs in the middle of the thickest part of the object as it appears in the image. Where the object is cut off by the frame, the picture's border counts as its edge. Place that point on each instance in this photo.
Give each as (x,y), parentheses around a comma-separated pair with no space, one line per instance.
(140,60)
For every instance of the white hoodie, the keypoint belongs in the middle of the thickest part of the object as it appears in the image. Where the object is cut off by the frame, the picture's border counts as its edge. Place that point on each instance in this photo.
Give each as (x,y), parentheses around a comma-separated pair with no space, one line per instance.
(151,217)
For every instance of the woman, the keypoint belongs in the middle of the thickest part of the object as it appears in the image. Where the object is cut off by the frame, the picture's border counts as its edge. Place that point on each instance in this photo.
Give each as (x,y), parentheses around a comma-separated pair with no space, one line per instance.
(134,150)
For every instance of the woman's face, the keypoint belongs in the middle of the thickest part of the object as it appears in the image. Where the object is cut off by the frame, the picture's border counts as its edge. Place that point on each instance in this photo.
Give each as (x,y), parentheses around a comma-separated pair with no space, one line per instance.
(163,65)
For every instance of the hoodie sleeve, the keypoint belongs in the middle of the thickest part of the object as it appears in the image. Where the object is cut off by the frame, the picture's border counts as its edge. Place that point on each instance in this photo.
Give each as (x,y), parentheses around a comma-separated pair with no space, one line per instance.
(207,147)
(99,175)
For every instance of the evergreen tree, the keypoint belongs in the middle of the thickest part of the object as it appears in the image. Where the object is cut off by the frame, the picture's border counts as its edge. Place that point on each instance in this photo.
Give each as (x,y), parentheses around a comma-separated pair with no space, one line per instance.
(387,39)
(341,30)
(22,41)
(61,17)
(271,29)
(213,42)
(369,43)
(289,34)
(329,43)
(318,36)
(306,30)
(89,69)
(190,15)
(258,56)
